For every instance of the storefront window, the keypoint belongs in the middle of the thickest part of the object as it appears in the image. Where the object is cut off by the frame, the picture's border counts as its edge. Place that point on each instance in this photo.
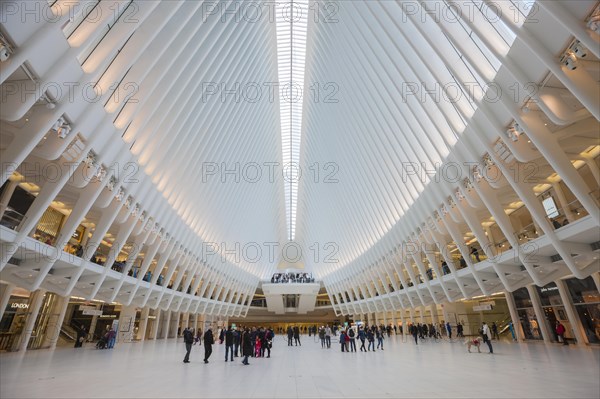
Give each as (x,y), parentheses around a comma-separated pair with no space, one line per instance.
(522,299)
(586,298)
(531,327)
(583,291)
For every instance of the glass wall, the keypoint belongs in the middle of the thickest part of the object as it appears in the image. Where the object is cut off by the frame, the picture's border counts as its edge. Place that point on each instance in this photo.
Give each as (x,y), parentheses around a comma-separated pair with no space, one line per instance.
(527,316)
(586,299)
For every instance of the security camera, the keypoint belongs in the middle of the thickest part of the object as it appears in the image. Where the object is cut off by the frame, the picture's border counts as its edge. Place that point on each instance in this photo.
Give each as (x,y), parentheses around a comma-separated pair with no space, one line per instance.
(4,53)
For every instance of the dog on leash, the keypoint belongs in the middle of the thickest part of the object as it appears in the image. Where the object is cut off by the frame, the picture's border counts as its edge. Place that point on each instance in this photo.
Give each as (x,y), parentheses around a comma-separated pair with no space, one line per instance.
(476,342)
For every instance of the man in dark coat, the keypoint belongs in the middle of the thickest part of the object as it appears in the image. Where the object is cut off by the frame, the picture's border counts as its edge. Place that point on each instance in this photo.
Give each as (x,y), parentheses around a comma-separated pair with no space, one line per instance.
(297,336)
(247,346)
(208,343)
(188,339)
(229,343)
(290,334)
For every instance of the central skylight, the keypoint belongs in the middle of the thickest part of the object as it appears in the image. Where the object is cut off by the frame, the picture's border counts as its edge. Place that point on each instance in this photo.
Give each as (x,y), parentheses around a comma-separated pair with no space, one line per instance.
(291,20)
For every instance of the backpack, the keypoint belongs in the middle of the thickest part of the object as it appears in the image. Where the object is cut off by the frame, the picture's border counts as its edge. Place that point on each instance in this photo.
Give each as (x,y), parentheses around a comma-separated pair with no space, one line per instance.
(351,333)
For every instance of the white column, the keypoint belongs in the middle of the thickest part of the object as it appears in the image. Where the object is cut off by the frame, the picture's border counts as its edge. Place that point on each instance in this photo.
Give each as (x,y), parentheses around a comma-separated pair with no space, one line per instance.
(156,324)
(5,293)
(167,324)
(514,316)
(565,296)
(126,324)
(434,315)
(7,195)
(143,323)
(539,314)
(596,278)
(34,309)
(55,322)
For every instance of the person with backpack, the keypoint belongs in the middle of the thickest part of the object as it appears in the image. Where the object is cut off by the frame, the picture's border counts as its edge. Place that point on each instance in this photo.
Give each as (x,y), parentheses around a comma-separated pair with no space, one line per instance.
(352,339)
(188,339)
(371,339)
(362,336)
(343,342)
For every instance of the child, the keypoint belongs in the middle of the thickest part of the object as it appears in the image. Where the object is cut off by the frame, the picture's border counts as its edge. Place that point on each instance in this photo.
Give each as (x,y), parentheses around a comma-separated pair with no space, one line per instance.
(257,347)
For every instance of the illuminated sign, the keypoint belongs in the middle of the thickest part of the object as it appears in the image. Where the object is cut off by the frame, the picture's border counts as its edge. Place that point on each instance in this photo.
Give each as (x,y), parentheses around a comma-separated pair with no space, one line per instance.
(17,305)
(550,207)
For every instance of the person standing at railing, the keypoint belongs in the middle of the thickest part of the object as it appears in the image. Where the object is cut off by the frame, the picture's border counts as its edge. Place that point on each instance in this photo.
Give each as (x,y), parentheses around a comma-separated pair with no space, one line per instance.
(475,253)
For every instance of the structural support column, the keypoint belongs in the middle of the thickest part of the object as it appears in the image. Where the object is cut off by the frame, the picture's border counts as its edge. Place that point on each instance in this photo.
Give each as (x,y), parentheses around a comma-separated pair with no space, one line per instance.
(596,278)
(514,316)
(571,313)
(5,293)
(539,314)
(94,322)
(126,324)
(156,324)
(55,322)
(143,324)
(34,307)
(167,324)
(434,315)
(7,195)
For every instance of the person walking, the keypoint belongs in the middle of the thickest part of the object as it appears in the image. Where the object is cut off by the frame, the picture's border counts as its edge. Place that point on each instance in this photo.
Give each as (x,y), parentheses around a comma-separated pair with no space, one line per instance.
(237,337)
(371,339)
(247,346)
(449,329)
(459,330)
(512,331)
(229,343)
(81,334)
(112,338)
(267,342)
(208,343)
(560,331)
(322,336)
(495,334)
(297,336)
(328,336)
(487,336)
(188,339)
(362,336)
(290,334)
(343,343)
(380,338)
(352,337)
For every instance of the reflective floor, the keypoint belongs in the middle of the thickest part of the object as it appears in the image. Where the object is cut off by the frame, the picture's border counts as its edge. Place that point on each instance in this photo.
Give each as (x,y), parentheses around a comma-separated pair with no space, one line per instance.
(429,370)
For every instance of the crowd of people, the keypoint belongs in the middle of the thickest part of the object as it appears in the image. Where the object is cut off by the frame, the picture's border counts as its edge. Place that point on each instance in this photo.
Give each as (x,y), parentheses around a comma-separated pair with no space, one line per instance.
(292,278)
(239,342)
(257,342)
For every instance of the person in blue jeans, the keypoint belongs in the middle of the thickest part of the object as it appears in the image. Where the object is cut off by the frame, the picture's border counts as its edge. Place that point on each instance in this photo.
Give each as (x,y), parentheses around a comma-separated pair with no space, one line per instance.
(371,339)
(379,338)
(112,338)
(229,343)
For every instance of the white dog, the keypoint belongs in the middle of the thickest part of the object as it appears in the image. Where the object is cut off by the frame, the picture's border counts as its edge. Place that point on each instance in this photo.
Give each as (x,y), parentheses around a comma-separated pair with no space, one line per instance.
(476,342)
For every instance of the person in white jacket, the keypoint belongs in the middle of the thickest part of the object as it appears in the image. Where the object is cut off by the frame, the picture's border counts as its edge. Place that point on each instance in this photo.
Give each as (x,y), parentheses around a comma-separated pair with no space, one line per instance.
(487,336)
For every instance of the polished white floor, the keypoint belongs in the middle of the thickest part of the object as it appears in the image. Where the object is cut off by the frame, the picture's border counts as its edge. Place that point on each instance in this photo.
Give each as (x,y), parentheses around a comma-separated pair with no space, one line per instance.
(431,370)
